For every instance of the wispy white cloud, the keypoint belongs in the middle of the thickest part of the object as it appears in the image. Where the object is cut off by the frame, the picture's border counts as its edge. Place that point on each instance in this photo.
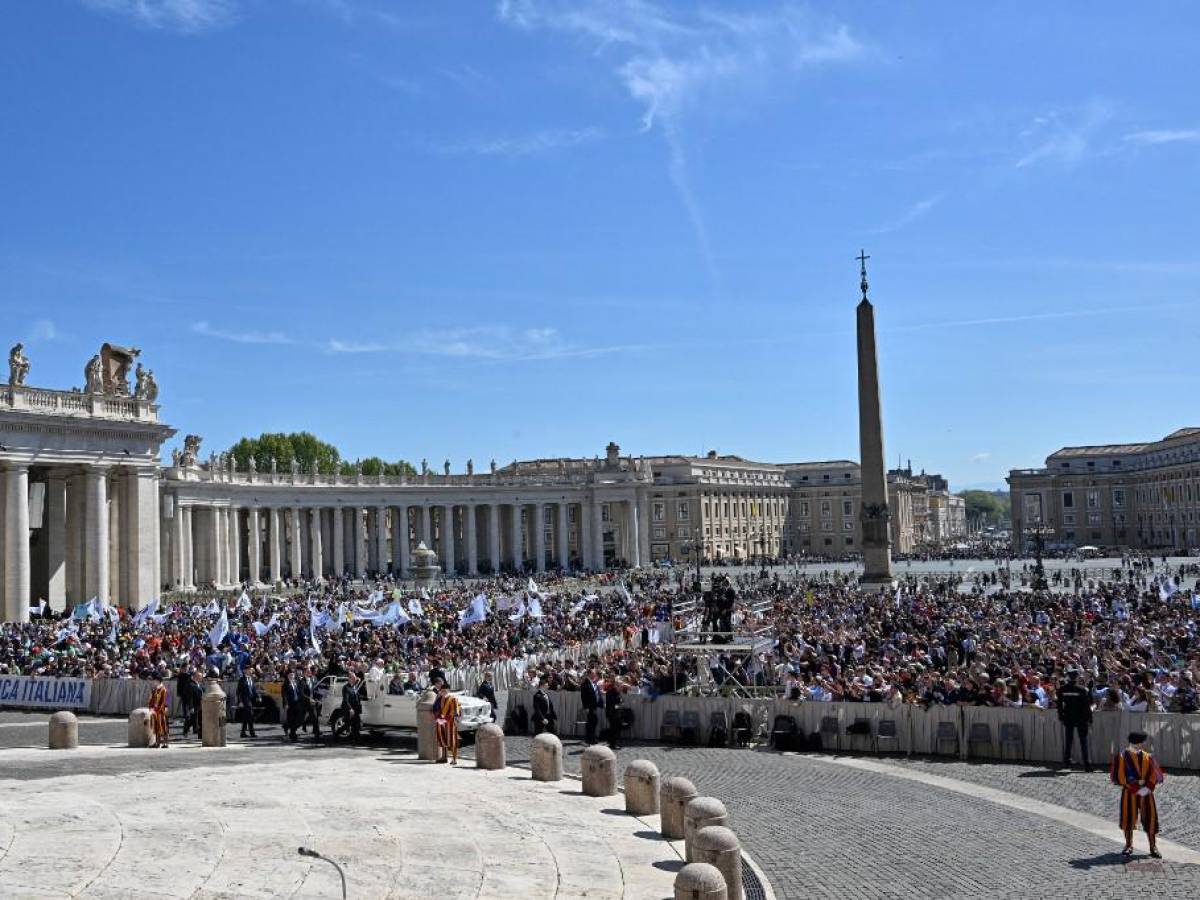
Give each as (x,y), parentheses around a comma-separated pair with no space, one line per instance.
(1064,138)
(242,337)
(187,16)
(914,212)
(493,343)
(668,60)
(1165,136)
(982,456)
(536,144)
(42,330)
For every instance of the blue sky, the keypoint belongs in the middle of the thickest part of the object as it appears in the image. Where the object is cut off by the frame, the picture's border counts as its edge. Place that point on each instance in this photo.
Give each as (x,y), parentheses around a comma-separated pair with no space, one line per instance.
(528,228)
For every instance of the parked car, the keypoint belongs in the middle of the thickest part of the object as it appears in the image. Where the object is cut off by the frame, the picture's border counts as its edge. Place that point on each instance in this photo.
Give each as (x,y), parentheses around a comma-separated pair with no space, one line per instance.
(382,711)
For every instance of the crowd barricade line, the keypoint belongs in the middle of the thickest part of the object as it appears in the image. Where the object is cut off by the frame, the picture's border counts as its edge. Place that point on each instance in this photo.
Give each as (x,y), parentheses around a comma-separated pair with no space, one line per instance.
(1174,737)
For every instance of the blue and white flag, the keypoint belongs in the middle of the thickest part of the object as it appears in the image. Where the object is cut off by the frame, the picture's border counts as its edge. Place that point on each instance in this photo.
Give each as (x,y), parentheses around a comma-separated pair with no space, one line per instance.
(219,630)
(533,589)
(1195,601)
(519,614)
(213,608)
(243,603)
(312,629)
(476,612)
(414,607)
(535,608)
(91,611)
(579,607)
(625,592)
(145,612)
(393,614)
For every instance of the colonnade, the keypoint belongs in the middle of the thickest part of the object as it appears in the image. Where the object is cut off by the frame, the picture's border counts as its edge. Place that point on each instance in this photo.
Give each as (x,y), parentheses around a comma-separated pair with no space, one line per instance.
(72,533)
(220,543)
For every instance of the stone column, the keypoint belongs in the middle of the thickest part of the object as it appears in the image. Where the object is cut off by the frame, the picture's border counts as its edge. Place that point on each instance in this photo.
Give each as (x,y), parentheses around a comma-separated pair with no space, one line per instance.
(401,540)
(372,558)
(16,543)
(539,535)
(874,513)
(587,547)
(643,519)
(96,535)
(562,554)
(339,542)
(235,545)
(472,549)
(216,546)
(178,554)
(448,552)
(76,509)
(294,548)
(314,542)
(360,542)
(426,525)
(55,525)
(494,536)
(254,545)
(597,534)
(381,539)
(189,550)
(633,537)
(274,545)
(115,483)
(515,548)
(141,538)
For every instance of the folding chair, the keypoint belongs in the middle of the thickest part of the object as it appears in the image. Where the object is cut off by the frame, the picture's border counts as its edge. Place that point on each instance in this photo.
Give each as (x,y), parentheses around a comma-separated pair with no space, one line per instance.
(784,733)
(947,732)
(1012,735)
(829,733)
(743,728)
(669,731)
(886,731)
(980,734)
(689,727)
(859,730)
(718,729)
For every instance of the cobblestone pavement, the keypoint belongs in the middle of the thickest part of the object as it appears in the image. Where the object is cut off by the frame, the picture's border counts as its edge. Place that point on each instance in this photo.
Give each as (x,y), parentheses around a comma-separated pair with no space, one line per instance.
(821,829)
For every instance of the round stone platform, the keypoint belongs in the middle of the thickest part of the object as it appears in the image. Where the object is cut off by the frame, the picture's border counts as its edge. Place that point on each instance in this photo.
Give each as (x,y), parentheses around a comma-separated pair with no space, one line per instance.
(399,827)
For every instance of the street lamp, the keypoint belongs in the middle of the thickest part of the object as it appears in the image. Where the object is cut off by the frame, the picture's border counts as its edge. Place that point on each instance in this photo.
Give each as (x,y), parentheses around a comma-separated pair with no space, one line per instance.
(1038,532)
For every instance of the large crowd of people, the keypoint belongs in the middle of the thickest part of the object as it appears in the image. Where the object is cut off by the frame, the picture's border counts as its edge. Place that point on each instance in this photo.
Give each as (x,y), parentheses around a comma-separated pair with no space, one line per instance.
(966,638)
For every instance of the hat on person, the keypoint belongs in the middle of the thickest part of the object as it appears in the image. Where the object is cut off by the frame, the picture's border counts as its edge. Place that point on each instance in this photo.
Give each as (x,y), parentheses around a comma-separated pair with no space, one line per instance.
(1137,737)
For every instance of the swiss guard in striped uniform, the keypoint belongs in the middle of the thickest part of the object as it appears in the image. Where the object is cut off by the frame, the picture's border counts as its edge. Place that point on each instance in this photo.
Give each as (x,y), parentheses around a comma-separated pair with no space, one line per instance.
(446,710)
(158,713)
(1138,774)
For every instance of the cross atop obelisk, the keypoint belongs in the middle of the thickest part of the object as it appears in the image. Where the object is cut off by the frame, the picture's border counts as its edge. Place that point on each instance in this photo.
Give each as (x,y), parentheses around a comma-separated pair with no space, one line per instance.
(874,514)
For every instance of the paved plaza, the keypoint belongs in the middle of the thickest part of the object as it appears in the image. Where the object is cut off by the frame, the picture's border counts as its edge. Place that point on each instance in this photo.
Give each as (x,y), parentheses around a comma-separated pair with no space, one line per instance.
(208,823)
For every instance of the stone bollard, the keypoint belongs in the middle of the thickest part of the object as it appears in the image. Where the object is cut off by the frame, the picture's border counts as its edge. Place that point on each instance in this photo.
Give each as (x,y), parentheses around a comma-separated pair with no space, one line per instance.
(599,765)
(700,881)
(212,715)
(675,794)
(718,846)
(641,788)
(427,748)
(141,731)
(64,731)
(699,812)
(545,758)
(489,747)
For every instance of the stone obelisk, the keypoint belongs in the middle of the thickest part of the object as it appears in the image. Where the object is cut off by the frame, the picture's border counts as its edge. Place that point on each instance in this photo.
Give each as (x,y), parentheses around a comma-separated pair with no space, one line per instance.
(876,539)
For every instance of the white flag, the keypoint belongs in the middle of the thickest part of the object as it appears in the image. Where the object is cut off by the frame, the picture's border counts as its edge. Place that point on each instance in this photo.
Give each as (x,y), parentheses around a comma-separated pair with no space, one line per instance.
(145,612)
(213,608)
(260,629)
(219,630)
(474,613)
(243,601)
(414,607)
(535,608)
(519,614)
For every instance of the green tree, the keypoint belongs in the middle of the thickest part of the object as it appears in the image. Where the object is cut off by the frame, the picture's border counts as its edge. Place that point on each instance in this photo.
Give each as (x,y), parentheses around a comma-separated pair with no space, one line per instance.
(302,446)
(992,507)
(373,465)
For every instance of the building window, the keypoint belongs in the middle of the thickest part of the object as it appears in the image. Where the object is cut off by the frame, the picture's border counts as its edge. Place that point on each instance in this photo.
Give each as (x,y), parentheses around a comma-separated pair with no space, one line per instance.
(604,512)
(847,507)
(660,511)
(804,509)
(684,511)
(1068,499)
(1094,518)
(1118,497)
(804,527)
(685,532)
(659,533)
(1068,518)
(849,542)
(847,525)
(827,525)
(826,507)
(1093,499)
(828,542)
(571,514)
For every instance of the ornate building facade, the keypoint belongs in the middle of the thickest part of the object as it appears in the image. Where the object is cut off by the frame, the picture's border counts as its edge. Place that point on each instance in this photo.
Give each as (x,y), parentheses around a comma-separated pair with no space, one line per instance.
(1113,495)
(89,510)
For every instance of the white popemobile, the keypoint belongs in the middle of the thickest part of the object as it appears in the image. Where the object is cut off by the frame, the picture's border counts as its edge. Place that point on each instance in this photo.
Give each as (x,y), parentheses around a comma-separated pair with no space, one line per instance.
(382,711)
